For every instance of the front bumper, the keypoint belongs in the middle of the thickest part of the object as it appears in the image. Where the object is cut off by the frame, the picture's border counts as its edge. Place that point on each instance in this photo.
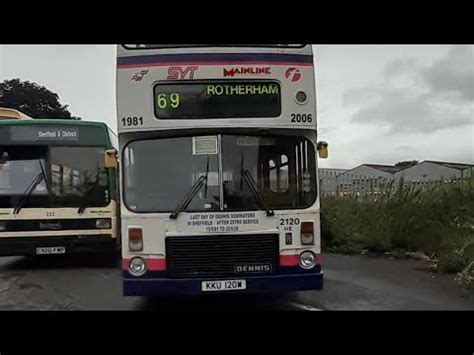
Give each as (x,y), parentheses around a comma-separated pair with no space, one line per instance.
(263,284)
(73,244)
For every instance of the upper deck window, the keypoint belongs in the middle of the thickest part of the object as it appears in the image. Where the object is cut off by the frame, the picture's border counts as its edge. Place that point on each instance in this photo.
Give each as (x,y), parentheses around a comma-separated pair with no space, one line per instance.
(165,46)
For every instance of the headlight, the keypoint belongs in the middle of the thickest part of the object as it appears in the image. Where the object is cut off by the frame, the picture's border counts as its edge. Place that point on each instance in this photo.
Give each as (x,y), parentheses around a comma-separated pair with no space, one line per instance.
(137,266)
(103,223)
(3,226)
(307,260)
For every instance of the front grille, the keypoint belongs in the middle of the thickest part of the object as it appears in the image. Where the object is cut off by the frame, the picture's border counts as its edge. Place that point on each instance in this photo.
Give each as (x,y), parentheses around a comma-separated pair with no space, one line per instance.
(221,255)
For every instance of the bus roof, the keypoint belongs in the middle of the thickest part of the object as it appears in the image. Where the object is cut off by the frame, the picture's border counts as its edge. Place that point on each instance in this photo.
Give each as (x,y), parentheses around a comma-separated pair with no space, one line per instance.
(53,121)
(124,50)
(10,113)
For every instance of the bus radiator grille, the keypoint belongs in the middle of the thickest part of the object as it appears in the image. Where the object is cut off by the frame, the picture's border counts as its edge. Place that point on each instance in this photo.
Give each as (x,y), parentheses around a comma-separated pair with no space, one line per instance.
(222,255)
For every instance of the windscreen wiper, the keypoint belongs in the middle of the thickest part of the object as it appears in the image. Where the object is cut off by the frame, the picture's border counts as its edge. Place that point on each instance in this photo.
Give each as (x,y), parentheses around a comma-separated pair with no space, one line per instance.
(85,200)
(255,193)
(184,203)
(32,187)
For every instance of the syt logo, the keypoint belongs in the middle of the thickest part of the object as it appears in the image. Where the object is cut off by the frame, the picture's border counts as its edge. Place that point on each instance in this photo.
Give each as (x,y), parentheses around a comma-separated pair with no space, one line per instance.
(139,76)
(177,73)
(293,74)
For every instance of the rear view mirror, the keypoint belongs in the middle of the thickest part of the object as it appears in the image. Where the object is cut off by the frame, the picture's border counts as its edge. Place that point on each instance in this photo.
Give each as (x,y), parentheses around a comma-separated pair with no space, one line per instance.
(110,158)
(322,150)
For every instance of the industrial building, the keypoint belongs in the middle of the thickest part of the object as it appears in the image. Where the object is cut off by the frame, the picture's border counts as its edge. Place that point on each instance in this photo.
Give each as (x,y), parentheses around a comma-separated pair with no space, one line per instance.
(429,172)
(373,178)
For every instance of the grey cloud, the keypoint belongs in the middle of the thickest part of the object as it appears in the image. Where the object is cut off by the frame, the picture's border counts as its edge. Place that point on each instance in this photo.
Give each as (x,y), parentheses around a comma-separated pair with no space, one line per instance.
(361,96)
(440,95)
(404,147)
(400,66)
(326,130)
(405,112)
(454,73)
(400,111)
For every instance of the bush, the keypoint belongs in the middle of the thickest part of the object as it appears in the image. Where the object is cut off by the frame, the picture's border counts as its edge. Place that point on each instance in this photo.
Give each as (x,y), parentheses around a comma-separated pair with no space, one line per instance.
(438,222)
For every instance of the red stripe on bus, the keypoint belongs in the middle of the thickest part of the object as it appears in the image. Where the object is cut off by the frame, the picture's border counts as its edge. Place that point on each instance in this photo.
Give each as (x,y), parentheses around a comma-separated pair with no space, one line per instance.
(151,264)
(125,264)
(318,259)
(294,260)
(289,260)
(145,65)
(156,264)
(160,264)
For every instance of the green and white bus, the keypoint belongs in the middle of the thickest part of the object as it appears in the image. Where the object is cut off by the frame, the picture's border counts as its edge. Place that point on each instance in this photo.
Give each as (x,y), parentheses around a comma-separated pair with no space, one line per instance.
(58,186)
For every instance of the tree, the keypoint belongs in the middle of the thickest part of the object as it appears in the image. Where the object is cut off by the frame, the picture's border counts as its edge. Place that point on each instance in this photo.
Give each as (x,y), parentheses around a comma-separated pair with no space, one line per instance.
(33,100)
(406,164)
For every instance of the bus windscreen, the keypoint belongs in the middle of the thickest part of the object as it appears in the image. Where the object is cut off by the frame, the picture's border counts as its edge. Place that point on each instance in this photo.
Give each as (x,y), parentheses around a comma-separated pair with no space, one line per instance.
(217,99)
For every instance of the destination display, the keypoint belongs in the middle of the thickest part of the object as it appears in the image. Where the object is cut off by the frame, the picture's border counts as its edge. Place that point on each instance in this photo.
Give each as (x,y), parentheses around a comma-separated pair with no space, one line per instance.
(45,134)
(224,99)
(50,134)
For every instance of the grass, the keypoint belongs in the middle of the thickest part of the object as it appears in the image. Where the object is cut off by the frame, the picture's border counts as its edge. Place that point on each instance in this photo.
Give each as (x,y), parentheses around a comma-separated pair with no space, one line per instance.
(438,222)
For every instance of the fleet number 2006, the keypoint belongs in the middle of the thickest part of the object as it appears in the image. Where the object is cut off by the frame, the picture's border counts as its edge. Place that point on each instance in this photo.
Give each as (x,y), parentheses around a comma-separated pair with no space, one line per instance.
(301,117)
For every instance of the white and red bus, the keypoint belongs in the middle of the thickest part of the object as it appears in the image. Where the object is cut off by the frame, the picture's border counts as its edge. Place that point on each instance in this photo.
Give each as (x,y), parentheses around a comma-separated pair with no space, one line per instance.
(219,186)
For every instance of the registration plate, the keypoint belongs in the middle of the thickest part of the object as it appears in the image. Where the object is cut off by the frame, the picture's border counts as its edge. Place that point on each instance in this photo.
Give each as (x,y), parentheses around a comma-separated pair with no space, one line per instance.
(51,250)
(225,285)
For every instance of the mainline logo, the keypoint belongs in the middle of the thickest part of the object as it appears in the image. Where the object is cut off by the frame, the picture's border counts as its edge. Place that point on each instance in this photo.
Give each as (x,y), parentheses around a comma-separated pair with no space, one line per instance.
(246,71)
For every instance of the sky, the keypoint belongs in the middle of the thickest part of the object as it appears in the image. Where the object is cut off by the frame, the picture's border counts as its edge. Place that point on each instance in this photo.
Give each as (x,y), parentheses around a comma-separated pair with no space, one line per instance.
(376,103)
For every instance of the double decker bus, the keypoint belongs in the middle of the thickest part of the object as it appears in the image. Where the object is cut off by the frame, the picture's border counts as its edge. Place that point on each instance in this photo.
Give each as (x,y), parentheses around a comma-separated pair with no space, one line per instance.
(219,185)
(58,186)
